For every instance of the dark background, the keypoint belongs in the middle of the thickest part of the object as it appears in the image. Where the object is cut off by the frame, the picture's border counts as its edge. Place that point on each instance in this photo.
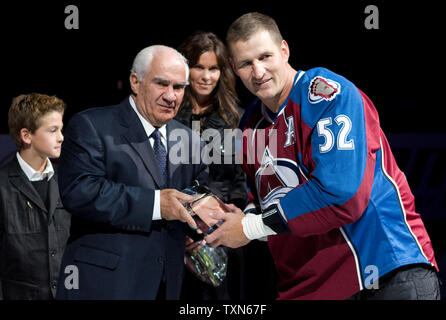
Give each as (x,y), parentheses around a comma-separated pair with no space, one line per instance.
(397,66)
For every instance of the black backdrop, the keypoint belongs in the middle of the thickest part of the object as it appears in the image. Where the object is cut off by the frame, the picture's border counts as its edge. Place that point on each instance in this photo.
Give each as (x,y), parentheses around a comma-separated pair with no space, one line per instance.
(396,65)
(399,66)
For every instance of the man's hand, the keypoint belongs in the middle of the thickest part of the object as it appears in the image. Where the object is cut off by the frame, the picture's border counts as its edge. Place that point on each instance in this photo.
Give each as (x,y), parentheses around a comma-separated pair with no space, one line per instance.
(171,203)
(230,232)
(192,245)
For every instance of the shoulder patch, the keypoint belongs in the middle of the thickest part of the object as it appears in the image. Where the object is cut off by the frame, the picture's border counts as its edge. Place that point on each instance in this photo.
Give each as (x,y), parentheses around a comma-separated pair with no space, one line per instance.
(322,89)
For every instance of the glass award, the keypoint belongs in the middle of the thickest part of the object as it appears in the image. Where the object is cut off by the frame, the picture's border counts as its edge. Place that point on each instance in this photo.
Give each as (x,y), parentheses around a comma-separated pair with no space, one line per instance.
(208,264)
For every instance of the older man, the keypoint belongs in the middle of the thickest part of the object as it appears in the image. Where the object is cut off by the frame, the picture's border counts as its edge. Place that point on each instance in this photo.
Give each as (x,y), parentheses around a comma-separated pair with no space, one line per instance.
(127,239)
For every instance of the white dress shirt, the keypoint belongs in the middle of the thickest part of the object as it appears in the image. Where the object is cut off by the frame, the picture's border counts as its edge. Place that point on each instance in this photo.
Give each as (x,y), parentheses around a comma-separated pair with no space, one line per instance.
(149,128)
(34,175)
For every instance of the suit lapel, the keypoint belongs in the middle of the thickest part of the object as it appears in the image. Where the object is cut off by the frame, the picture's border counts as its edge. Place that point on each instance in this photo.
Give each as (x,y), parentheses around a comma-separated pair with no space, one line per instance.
(19,180)
(53,191)
(137,138)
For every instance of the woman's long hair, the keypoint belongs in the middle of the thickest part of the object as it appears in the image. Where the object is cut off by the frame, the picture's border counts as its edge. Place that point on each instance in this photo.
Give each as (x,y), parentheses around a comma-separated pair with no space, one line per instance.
(224,95)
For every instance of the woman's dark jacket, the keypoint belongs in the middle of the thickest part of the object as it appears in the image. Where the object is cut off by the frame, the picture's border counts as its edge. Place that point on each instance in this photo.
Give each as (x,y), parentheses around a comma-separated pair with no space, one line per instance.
(227,181)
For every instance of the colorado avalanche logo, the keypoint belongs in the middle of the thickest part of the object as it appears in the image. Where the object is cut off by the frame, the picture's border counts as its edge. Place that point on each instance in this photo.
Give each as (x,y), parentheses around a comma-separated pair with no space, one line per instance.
(322,89)
(275,178)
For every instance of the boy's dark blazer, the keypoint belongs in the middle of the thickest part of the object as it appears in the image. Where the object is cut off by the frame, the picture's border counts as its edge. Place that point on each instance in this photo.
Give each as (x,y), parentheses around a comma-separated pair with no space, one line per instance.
(32,236)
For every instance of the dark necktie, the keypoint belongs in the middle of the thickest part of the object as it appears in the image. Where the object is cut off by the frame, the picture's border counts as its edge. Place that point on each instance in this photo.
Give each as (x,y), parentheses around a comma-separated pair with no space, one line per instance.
(160,154)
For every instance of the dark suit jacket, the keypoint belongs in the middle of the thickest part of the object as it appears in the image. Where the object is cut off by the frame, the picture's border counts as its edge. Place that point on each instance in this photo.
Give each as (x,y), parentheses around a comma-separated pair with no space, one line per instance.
(107,178)
(32,236)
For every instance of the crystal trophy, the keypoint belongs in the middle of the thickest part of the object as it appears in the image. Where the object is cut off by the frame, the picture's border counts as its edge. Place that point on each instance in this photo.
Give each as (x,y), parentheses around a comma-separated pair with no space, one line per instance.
(208,264)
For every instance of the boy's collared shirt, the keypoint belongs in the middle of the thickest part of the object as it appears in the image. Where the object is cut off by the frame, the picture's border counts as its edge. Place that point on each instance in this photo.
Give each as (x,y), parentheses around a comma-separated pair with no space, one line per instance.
(34,175)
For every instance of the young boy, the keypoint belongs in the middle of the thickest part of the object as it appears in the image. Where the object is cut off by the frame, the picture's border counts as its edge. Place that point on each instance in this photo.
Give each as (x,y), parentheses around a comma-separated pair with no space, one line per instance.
(34,226)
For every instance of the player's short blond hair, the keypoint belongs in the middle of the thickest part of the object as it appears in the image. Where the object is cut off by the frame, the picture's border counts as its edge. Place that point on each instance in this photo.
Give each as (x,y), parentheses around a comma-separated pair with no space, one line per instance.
(249,24)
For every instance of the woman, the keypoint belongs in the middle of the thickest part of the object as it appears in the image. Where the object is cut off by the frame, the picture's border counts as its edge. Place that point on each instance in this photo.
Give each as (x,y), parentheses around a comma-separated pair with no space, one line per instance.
(210,102)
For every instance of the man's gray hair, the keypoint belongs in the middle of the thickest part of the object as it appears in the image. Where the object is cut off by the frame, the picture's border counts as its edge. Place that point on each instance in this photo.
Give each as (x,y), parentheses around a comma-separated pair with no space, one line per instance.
(143,60)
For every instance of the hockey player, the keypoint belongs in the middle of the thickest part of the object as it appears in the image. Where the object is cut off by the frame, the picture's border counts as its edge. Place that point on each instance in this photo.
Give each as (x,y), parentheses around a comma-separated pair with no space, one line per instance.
(337,210)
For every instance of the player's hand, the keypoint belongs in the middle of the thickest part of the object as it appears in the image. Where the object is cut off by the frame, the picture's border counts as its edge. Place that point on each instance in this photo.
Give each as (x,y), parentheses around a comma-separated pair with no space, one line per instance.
(171,203)
(234,209)
(230,232)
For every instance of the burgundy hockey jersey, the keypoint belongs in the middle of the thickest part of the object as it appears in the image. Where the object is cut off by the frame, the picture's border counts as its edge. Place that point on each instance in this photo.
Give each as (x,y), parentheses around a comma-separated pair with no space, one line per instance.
(325,161)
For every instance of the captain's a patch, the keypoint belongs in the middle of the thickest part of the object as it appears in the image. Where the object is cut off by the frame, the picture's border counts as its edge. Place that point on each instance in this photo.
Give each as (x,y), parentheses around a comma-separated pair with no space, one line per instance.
(322,89)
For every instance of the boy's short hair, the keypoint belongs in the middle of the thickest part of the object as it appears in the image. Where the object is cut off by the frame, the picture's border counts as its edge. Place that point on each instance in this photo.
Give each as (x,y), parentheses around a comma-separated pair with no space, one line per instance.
(249,24)
(26,111)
